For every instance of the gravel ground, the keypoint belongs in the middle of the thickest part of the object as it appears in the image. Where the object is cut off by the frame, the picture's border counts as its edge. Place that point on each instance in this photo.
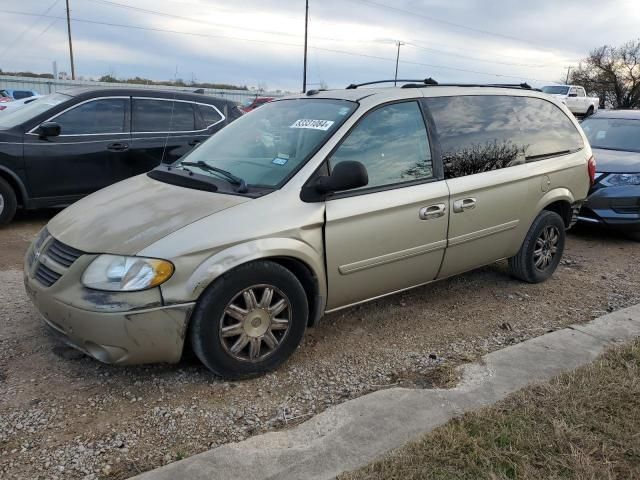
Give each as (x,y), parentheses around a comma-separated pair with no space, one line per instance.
(63,415)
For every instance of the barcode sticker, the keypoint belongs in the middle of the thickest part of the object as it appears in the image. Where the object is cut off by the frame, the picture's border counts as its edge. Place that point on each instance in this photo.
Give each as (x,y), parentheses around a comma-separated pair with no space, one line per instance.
(313,124)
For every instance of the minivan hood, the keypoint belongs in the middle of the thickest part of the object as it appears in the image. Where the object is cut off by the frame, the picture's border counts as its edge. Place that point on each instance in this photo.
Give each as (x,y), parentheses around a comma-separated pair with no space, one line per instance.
(616,161)
(128,216)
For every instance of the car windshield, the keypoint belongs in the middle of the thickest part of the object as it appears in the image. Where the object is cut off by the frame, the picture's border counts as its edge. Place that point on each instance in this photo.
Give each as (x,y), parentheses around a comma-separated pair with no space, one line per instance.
(555,90)
(613,133)
(20,115)
(266,147)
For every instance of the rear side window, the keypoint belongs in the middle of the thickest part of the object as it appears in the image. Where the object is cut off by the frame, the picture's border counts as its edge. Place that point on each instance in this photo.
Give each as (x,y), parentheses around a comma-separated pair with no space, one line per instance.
(150,115)
(487,132)
(95,117)
(210,115)
(392,143)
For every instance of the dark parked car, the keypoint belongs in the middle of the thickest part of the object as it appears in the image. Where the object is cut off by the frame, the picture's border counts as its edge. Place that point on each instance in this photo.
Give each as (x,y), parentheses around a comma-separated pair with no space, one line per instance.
(66,145)
(614,199)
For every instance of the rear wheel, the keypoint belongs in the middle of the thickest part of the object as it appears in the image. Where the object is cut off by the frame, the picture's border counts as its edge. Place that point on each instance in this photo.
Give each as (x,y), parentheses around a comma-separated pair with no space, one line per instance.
(589,112)
(8,202)
(250,320)
(541,250)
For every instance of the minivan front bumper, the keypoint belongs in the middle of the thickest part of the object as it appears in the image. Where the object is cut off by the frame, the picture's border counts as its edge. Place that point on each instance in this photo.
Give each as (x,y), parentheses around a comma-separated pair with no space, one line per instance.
(128,328)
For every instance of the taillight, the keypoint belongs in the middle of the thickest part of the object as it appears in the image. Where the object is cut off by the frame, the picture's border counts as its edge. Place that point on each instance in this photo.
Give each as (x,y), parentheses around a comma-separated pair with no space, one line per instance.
(592,169)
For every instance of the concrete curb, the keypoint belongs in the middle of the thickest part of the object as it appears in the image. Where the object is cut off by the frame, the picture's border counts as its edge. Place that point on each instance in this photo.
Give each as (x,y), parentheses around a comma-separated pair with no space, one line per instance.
(356,432)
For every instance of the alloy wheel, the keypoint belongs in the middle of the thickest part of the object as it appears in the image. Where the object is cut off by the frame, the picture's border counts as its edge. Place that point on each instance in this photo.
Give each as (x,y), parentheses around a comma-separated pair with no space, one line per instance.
(1,204)
(255,322)
(546,247)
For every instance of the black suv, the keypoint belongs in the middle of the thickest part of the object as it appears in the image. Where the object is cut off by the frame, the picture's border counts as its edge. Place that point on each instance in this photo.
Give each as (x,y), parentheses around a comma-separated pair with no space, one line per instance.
(69,144)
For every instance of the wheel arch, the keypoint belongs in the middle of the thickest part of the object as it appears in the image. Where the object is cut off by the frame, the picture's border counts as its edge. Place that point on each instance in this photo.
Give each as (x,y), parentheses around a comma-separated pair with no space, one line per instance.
(298,257)
(16,183)
(560,201)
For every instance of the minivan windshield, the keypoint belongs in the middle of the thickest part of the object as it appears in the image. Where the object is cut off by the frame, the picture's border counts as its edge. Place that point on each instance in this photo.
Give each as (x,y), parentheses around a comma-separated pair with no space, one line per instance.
(613,133)
(555,90)
(266,146)
(32,109)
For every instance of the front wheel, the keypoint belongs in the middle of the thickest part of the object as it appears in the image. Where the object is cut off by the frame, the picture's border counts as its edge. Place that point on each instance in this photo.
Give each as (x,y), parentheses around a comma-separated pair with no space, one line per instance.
(542,249)
(8,202)
(250,320)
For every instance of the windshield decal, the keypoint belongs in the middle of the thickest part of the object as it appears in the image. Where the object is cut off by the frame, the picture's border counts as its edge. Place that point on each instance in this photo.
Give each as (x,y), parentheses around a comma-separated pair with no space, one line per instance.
(280,161)
(312,124)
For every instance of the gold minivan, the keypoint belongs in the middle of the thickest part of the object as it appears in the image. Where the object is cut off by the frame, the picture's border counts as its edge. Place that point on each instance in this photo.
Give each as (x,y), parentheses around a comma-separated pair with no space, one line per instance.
(308,205)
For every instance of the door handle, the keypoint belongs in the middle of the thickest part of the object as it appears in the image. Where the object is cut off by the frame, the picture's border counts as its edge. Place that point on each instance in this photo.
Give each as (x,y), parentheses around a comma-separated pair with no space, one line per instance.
(118,147)
(432,211)
(464,204)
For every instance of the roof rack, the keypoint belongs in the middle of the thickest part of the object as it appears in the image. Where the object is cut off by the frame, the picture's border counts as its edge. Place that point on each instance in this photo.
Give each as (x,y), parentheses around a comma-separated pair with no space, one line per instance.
(422,82)
(430,82)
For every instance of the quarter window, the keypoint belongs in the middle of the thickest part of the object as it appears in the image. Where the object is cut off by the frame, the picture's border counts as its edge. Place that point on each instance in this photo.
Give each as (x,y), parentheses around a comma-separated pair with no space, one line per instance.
(391,143)
(483,133)
(210,115)
(95,117)
(162,116)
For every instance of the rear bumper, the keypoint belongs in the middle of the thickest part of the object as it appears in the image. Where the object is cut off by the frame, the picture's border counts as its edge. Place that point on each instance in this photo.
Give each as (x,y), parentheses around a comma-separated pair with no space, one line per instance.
(613,207)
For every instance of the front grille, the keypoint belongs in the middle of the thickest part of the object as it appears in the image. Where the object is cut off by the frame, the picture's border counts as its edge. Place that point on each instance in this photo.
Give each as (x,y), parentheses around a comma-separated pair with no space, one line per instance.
(45,275)
(57,255)
(62,254)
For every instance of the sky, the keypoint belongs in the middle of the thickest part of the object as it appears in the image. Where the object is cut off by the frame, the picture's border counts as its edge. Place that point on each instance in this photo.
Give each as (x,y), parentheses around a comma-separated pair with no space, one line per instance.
(260,42)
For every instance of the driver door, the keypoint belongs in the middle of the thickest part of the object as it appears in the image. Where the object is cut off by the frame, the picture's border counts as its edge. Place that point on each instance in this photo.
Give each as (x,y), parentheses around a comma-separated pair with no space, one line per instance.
(391,234)
(85,157)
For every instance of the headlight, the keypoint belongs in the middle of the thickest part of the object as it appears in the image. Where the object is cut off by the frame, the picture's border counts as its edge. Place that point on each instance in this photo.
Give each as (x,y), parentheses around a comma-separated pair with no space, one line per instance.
(621,179)
(115,273)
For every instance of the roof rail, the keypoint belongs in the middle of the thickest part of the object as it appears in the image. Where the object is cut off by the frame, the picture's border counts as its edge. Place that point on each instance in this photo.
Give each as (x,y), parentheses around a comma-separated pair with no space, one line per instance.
(422,82)
(523,86)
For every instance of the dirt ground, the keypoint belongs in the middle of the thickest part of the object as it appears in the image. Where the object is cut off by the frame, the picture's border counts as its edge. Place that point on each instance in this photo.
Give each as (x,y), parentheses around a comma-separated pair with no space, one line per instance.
(63,415)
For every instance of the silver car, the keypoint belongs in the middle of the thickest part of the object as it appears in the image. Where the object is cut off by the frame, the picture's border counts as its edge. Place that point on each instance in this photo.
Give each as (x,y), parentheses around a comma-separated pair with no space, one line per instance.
(308,205)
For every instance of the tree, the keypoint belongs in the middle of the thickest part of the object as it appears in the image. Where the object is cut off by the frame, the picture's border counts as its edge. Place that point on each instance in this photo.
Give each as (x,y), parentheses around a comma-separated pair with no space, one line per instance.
(613,74)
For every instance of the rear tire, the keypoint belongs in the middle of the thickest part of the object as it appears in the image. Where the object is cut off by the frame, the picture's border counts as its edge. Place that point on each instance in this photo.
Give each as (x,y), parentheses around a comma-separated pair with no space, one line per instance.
(250,320)
(8,202)
(542,249)
(589,112)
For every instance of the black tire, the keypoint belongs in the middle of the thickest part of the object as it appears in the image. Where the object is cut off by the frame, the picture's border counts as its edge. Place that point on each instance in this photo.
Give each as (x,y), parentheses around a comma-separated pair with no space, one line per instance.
(8,202)
(210,315)
(589,112)
(634,236)
(523,264)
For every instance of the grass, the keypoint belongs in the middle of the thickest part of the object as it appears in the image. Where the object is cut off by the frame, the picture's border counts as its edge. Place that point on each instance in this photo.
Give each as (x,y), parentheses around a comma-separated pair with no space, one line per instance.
(581,425)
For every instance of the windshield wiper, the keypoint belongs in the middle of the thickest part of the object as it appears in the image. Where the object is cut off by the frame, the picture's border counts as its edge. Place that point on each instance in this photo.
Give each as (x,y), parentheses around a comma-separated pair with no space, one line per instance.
(230,177)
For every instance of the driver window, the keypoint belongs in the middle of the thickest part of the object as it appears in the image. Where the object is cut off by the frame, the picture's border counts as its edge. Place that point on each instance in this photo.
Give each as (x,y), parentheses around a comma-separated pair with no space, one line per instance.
(103,116)
(392,143)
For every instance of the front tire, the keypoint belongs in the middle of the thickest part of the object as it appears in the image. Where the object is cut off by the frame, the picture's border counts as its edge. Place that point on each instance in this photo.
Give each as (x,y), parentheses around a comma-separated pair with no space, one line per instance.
(250,320)
(8,202)
(542,249)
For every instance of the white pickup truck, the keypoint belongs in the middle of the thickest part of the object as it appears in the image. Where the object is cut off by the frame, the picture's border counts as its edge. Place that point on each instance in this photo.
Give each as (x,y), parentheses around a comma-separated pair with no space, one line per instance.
(575,98)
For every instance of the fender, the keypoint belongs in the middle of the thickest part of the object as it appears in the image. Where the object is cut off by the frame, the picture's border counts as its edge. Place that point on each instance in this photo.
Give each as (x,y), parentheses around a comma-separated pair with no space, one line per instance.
(21,186)
(554,195)
(260,249)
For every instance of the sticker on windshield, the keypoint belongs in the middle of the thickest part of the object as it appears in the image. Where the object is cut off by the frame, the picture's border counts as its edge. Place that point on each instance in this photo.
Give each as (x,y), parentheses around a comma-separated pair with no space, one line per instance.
(280,161)
(312,124)
(343,111)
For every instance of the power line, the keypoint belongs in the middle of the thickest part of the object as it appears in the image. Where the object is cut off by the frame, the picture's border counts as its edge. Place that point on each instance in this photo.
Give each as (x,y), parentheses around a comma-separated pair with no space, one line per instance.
(28,29)
(271,32)
(297,45)
(447,22)
(415,45)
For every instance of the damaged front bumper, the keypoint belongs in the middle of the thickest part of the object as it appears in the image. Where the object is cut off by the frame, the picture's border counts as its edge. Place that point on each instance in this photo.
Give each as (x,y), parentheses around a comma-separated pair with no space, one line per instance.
(113,327)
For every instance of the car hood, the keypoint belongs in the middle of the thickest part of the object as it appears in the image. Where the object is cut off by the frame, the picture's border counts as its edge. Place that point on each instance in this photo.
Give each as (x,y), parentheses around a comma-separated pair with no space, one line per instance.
(128,216)
(616,161)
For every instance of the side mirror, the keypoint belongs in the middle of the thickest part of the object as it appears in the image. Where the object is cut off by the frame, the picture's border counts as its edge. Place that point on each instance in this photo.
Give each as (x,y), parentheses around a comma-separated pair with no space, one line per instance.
(573,95)
(49,129)
(345,176)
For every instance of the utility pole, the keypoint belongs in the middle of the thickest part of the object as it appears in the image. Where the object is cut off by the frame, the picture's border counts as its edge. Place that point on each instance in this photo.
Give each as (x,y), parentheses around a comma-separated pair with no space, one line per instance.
(568,71)
(397,61)
(73,68)
(306,35)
